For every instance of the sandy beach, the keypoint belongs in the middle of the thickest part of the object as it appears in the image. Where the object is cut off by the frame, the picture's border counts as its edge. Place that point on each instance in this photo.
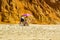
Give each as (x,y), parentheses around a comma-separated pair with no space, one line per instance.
(31,32)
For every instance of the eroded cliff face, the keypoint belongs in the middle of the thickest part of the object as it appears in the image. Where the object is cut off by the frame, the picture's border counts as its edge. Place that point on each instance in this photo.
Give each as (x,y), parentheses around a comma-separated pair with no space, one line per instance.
(42,11)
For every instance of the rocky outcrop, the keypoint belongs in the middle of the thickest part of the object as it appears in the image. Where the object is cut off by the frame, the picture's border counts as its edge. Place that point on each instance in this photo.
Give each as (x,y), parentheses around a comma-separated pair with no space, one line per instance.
(42,11)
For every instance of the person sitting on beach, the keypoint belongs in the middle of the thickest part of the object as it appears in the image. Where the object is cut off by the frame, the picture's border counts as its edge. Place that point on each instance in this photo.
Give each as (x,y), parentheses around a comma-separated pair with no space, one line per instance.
(26,21)
(22,20)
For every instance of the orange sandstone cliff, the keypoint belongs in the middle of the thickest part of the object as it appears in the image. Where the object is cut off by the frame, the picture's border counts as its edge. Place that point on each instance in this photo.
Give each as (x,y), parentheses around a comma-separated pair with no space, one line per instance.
(42,11)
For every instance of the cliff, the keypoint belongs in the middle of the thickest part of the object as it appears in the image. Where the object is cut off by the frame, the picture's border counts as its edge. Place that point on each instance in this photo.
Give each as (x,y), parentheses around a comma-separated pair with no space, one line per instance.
(42,11)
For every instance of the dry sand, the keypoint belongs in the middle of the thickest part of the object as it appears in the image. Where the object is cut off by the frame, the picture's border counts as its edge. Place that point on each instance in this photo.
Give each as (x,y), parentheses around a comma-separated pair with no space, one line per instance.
(32,32)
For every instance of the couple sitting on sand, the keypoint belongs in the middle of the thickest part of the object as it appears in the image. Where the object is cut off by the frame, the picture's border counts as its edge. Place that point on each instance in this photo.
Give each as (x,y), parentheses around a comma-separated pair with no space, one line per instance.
(24,20)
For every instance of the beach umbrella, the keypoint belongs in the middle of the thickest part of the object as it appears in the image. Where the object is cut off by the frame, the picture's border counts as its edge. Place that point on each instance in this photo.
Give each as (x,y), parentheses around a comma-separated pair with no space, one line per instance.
(26,14)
